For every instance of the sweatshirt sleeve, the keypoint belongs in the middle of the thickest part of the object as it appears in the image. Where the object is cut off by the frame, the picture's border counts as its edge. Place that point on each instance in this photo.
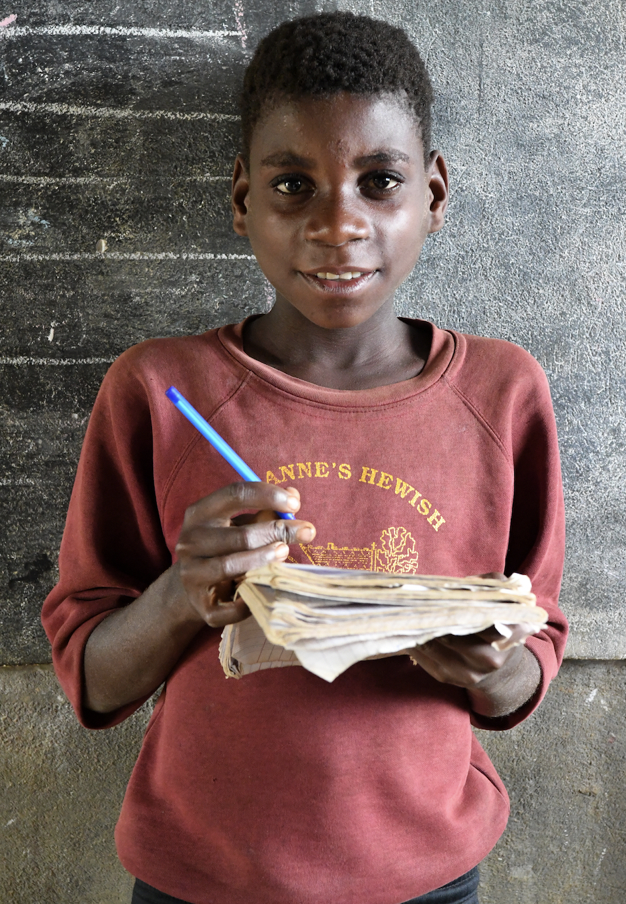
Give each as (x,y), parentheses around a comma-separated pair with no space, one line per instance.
(536,544)
(113,546)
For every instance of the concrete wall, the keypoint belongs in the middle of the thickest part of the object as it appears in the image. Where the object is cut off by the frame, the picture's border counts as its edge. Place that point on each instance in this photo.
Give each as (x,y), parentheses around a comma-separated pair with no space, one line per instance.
(117,123)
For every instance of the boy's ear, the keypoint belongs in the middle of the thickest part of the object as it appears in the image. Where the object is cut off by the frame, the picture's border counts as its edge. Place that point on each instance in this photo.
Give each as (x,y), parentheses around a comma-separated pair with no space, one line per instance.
(239,196)
(437,174)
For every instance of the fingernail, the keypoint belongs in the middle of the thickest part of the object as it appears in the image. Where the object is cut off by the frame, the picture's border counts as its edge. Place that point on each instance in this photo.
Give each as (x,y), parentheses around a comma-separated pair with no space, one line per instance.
(306,534)
(288,501)
(281,550)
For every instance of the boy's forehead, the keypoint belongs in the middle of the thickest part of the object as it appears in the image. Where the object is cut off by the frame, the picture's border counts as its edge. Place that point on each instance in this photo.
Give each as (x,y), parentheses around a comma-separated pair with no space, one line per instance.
(350,126)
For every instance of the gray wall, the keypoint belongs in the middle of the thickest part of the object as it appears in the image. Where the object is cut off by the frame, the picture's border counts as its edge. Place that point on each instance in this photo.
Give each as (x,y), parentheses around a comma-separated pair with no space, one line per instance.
(117,123)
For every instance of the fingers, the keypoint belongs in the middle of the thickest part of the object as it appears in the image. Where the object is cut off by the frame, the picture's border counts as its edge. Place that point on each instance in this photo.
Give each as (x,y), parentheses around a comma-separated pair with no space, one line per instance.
(201,577)
(226,614)
(221,506)
(476,651)
(215,547)
(519,634)
(211,571)
(209,555)
(463,661)
(444,664)
(207,540)
(200,574)
(221,609)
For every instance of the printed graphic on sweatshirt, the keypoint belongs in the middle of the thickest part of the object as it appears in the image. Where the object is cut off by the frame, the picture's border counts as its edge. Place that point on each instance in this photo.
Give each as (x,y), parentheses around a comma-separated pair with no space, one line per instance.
(381,480)
(395,551)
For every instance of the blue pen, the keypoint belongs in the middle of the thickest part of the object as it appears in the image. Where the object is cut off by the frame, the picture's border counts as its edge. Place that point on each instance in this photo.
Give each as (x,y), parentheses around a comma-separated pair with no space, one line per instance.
(216,441)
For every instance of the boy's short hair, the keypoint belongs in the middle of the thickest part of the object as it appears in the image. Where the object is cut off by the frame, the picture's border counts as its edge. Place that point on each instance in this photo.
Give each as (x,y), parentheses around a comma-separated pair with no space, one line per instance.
(321,55)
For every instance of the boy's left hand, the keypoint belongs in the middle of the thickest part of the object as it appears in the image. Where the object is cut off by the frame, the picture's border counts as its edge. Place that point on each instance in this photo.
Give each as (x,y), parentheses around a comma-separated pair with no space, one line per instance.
(497,681)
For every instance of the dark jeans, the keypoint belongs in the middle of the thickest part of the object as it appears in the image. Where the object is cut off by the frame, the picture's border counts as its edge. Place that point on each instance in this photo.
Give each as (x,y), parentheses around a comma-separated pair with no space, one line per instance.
(463,890)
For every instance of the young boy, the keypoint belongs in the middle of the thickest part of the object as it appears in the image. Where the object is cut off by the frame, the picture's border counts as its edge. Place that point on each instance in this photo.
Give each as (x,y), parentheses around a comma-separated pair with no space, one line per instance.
(404,447)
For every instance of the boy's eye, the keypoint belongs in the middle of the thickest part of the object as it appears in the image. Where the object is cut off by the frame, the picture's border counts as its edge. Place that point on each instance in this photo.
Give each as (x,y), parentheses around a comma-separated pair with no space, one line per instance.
(383,181)
(291,185)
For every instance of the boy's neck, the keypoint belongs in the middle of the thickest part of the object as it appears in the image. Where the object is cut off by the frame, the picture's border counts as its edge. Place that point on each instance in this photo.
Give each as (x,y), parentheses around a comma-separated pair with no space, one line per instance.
(381,351)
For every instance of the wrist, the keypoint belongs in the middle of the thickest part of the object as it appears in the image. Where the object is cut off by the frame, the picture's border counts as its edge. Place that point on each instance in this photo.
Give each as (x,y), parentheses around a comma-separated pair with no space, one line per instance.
(177,606)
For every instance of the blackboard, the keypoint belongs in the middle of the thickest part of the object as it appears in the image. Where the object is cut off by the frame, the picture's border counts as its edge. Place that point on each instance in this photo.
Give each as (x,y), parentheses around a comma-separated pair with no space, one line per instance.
(118,127)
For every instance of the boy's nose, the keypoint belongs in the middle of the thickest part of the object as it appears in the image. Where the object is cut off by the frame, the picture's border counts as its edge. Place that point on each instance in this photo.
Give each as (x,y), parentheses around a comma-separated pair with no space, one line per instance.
(335,221)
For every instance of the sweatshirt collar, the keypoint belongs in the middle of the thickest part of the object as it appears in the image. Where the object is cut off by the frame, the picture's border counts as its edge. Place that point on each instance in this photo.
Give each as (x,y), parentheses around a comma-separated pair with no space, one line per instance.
(443,344)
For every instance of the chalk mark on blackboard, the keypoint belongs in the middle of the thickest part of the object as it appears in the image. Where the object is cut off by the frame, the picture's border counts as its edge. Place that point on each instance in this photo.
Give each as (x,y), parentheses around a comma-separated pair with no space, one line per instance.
(108,180)
(111,112)
(113,31)
(125,256)
(16,482)
(241,23)
(21,360)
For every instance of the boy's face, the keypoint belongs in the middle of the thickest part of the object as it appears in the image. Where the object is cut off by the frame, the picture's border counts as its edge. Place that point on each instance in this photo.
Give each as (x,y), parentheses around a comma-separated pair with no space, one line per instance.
(337,188)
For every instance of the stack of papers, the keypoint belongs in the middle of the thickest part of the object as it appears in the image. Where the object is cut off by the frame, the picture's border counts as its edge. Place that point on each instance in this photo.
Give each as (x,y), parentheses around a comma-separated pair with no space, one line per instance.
(326,619)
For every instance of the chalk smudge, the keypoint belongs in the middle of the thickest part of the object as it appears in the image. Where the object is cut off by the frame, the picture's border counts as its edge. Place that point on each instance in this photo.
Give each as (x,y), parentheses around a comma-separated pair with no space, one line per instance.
(109,181)
(52,362)
(126,256)
(73,31)
(241,24)
(111,112)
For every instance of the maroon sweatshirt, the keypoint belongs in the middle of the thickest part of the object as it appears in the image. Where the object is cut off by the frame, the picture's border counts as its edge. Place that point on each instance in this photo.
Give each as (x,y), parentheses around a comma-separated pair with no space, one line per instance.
(281,788)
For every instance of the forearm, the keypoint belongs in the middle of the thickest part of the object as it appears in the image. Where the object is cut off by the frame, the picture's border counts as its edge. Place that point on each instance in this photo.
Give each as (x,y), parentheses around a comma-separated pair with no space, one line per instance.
(133,650)
(507,689)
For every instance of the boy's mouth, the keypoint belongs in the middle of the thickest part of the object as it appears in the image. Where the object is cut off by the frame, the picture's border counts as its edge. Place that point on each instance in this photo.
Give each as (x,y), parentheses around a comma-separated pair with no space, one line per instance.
(339,280)
(349,274)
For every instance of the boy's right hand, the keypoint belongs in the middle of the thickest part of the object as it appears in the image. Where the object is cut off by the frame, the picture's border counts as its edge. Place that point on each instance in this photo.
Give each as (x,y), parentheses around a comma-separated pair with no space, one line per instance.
(134,649)
(215,547)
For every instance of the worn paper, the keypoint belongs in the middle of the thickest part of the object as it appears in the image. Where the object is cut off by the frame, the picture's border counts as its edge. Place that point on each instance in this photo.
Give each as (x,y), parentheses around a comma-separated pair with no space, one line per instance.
(326,619)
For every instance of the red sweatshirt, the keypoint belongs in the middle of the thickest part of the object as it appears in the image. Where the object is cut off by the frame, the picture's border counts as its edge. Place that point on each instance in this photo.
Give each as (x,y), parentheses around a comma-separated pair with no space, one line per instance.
(281,788)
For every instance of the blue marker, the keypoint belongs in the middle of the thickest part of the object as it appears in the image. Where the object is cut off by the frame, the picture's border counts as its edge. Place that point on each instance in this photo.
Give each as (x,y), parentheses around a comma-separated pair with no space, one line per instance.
(216,441)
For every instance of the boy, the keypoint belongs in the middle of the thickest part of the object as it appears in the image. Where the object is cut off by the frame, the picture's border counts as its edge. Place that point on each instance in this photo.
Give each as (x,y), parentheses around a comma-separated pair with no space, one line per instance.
(409,448)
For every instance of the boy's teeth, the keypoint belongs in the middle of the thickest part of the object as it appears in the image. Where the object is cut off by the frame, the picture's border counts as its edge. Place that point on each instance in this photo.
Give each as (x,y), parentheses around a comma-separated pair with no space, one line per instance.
(348,275)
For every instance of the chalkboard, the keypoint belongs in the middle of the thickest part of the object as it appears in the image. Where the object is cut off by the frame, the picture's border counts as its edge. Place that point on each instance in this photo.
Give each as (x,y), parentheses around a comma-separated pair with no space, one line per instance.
(118,127)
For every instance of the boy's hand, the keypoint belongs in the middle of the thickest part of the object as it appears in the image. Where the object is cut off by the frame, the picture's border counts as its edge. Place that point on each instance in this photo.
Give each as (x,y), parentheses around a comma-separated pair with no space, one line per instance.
(134,649)
(214,547)
(497,681)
